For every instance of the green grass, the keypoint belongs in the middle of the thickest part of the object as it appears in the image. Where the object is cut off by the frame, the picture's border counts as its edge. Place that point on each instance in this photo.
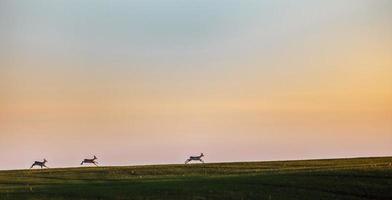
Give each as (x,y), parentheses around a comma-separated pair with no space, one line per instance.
(357,178)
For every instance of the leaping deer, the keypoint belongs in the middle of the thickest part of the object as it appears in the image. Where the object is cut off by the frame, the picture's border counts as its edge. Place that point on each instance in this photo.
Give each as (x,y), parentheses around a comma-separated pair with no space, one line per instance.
(38,163)
(195,158)
(90,161)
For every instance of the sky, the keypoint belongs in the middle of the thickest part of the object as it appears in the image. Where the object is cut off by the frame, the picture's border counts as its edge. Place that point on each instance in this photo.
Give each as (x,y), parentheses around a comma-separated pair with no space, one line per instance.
(153,82)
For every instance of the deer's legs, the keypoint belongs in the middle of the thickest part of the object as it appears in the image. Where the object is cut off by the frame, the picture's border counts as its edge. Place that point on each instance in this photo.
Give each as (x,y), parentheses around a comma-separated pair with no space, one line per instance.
(82,163)
(187,161)
(201,161)
(32,166)
(95,163)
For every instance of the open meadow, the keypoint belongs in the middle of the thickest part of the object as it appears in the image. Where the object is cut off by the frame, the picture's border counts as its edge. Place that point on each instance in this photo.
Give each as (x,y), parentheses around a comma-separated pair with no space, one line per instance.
(356,178)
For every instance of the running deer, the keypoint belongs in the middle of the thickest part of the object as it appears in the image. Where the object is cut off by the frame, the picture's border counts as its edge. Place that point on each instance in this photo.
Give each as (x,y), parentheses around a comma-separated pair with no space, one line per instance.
(195,158)
(41,164)
(92,161)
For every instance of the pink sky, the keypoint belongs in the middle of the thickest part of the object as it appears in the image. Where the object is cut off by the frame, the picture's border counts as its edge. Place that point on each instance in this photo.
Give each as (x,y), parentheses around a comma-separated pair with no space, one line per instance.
(244,81)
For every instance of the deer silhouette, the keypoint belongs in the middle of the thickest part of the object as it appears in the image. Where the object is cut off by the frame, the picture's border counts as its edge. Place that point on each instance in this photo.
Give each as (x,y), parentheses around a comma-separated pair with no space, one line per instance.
(38,163)
(198,158)
(92,161)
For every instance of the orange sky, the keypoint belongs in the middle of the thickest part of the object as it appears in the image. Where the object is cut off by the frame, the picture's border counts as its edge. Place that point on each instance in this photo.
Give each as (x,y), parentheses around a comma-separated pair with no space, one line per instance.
(259,80)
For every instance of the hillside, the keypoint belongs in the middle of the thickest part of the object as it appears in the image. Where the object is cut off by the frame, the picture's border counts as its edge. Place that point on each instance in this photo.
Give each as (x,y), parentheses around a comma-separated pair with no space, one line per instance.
(356,178)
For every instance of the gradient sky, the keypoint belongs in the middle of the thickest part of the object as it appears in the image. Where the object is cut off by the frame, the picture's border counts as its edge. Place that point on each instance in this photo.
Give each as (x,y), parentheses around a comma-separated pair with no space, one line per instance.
(142,82)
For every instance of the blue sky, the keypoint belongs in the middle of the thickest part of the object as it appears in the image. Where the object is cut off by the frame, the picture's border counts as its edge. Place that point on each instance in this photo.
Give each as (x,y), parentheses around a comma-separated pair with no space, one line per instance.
(191,76)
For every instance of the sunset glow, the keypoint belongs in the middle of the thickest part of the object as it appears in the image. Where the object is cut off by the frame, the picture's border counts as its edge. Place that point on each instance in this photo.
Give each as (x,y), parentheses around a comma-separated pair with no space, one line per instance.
(141,82)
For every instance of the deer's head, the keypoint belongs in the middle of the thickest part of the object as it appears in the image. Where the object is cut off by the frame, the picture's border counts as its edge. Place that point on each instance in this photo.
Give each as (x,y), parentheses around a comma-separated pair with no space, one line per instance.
(201,155)
(95,157)
(45,161)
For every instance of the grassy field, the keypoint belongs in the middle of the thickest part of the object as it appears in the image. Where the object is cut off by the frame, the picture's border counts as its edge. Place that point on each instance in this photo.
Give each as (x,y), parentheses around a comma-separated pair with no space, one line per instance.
(357,178)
